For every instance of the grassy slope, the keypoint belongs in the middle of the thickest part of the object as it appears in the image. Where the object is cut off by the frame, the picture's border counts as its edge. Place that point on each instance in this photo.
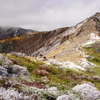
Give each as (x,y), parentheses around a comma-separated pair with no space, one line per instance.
(61,78)
(94,57)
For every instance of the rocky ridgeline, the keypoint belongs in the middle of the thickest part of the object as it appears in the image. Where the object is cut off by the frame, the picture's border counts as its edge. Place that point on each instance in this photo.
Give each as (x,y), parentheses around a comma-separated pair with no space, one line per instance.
(28,41)
(34,43)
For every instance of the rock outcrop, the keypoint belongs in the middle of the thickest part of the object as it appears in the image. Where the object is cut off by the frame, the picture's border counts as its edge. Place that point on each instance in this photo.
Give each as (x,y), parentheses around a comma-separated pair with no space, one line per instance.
(8,69)
(88,91)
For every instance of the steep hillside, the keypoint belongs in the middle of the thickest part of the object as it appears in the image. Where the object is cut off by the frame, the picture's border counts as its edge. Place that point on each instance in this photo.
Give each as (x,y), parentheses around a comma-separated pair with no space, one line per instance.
(23,79)
(64,44)
(84,33)
(31,43)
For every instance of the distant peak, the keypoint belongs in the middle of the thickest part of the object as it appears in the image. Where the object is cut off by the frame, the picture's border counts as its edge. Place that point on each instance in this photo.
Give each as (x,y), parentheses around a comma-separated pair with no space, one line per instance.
(96,14)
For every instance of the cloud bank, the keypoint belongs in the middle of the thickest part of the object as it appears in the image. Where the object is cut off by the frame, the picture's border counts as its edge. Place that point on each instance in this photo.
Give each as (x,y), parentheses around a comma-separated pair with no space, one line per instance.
(45,15)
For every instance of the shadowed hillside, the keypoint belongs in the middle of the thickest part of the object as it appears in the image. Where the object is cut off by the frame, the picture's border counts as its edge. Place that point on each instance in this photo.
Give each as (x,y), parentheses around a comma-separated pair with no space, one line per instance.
(30,42)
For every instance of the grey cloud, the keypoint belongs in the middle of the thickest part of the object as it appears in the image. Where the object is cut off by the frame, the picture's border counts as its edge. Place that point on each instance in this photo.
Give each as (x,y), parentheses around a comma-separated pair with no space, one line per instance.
(45,14)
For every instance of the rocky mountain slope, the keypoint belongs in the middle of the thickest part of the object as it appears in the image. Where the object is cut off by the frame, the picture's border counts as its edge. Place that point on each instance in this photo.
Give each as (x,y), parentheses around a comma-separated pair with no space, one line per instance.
(69,68)
(84,33)
(30,43)
(57,42)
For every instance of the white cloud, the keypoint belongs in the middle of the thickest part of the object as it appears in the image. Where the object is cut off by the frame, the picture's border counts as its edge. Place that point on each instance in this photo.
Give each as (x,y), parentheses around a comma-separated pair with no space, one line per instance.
(45,14)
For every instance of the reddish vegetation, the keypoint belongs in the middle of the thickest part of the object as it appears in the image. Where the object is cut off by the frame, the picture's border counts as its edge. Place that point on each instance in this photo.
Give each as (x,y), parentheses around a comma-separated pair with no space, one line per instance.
(44,67)
(44,73)
(14,61)
(40,72)
(24,83)
(39,85)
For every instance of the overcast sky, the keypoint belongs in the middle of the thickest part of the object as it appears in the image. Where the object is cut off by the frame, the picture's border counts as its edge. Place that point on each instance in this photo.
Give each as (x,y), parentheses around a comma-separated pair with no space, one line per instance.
(45,15)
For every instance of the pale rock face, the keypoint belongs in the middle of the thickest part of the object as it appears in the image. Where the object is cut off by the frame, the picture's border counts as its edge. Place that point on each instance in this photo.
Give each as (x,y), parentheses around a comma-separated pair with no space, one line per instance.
(53,90)
(93,38)
(87,91)
(73,65)
(85,64)
(66,64)
(56,63)
(74,28)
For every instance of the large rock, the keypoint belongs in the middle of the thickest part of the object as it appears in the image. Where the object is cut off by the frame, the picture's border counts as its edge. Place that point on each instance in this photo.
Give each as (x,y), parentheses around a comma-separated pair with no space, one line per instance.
(14,70)
(53,90)
(88,91)
(18,70)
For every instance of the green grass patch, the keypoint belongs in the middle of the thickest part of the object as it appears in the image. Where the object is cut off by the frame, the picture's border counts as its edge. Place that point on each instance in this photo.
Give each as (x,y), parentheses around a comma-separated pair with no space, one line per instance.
(22,61)
(61,78)
(67,76)
(93,51)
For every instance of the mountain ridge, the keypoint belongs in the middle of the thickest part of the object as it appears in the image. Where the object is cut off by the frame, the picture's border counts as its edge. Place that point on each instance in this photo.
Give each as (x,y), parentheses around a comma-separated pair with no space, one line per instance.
(35,39)
(9,32)
(35,43)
